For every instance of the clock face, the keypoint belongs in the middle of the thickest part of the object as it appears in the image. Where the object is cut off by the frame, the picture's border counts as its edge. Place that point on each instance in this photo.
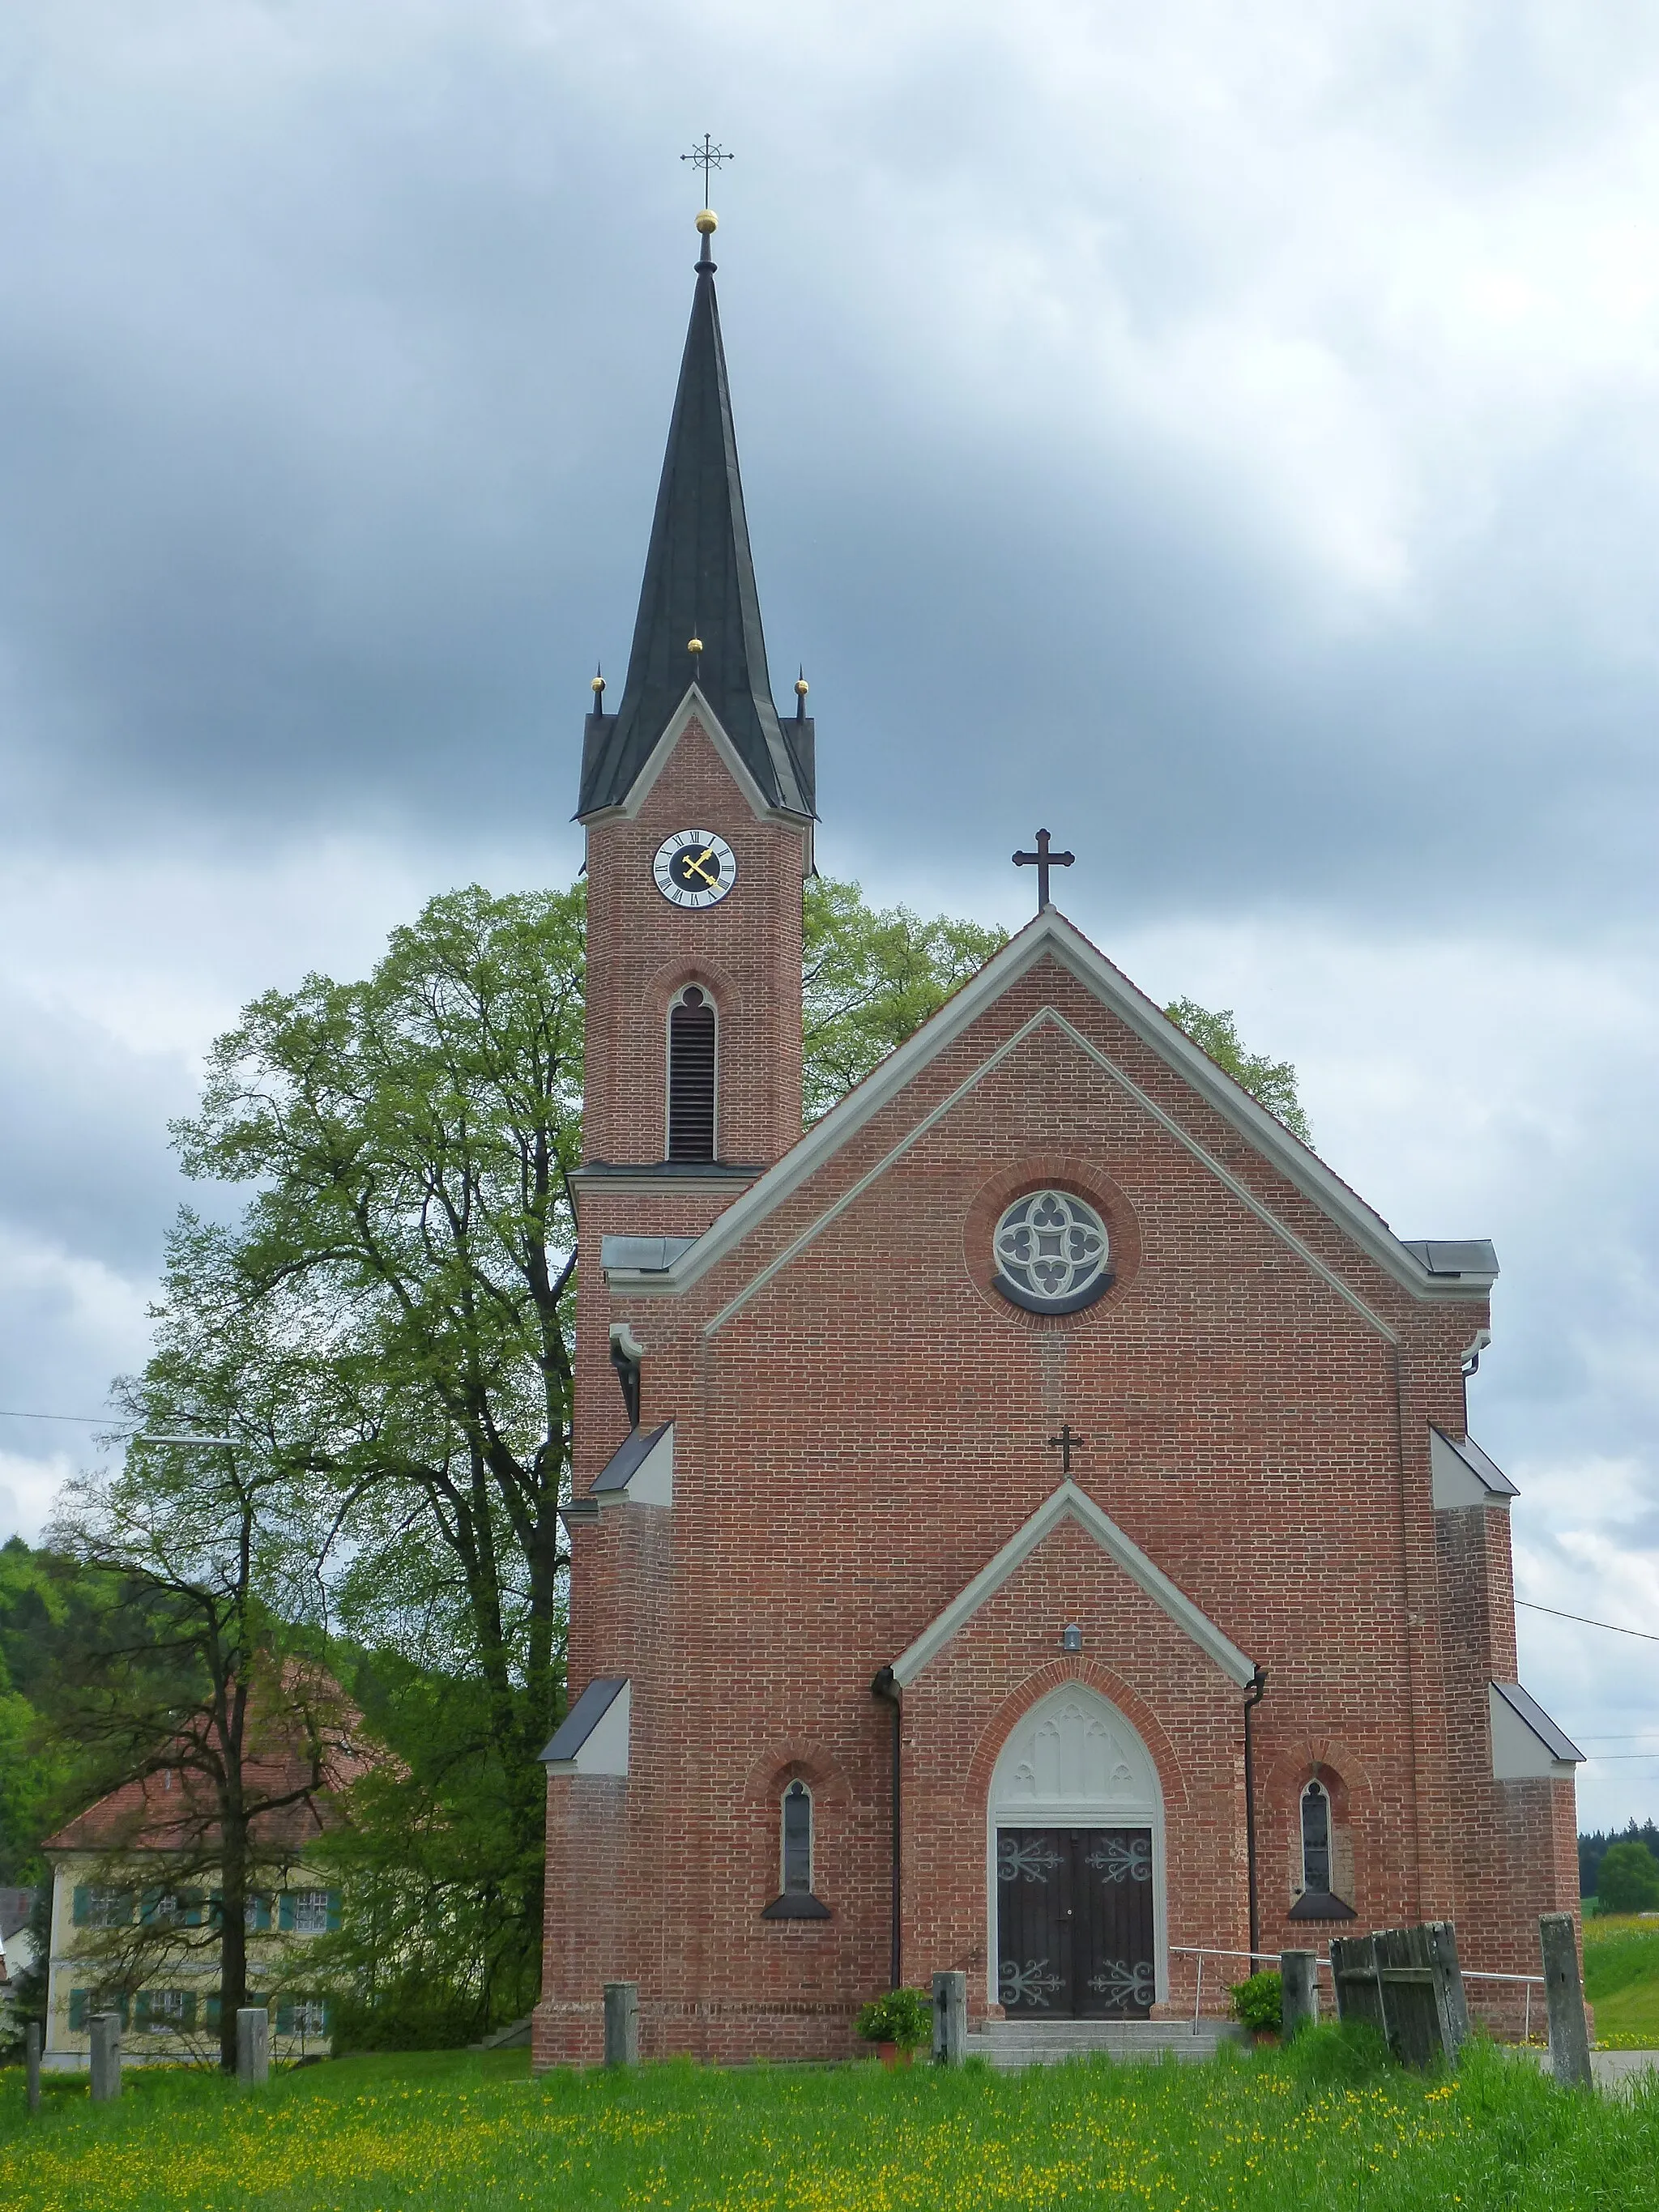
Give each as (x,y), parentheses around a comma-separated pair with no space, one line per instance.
(693,867)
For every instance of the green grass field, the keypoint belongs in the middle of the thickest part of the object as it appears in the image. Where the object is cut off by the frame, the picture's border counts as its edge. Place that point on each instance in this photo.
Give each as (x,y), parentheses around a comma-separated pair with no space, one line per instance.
(1621,1980)
(1320,2124)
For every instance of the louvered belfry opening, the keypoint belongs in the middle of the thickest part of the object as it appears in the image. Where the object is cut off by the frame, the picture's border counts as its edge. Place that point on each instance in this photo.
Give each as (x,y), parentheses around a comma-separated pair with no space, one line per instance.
(691,1077)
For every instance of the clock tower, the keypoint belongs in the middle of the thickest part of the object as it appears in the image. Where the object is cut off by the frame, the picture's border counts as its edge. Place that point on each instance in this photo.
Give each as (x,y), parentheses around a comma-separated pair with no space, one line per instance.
(697,798)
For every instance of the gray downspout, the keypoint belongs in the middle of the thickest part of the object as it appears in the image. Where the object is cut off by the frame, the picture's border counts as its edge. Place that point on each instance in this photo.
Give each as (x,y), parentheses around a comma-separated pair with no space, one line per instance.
(886,1686)
(1258,1687)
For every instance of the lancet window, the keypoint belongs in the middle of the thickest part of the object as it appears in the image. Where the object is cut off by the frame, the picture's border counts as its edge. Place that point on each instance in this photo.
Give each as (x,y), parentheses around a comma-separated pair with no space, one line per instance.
(692,1059)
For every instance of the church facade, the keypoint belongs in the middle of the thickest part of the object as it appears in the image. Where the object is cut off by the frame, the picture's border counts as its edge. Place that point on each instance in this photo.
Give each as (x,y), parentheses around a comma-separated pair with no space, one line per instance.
(1025,1524)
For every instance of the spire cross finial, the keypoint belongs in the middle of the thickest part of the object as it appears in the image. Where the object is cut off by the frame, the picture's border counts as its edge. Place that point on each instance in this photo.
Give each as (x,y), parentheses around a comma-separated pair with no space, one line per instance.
(708,157)
(1042,859)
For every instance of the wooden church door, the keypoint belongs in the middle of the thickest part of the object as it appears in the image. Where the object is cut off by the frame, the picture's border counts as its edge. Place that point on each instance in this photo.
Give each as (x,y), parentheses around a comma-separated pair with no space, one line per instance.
(1075,1931)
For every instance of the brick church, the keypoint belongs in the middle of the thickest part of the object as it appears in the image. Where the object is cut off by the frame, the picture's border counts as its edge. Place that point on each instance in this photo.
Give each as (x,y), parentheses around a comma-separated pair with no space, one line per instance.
(1025,1523)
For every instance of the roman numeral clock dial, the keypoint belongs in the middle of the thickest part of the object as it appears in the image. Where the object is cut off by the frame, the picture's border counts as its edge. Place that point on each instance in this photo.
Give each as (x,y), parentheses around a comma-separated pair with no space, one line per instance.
(693,867)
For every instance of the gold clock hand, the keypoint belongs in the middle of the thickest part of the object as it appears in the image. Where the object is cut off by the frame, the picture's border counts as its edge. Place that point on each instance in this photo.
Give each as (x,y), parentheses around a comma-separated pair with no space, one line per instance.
(695,867)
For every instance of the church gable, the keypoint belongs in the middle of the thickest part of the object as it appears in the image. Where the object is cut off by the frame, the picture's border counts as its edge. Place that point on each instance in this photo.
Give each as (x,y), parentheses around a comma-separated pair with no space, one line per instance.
(1055,983)
(1071,1504)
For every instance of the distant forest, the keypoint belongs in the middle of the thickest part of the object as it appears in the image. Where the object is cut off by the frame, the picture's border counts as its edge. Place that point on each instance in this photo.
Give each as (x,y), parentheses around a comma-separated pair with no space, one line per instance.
(1592,1848)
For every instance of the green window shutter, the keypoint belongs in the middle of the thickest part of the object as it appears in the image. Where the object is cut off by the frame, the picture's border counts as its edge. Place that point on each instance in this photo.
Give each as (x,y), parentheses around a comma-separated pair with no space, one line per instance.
(77,2008)
(189,1903)
(210,2011)
(83,1907)
(149,1901)
(189,2020)
(142,2018)
(285,2019)
(328,2015)
(261,1914)
(333,1910)
(285,1912)
(123,2006)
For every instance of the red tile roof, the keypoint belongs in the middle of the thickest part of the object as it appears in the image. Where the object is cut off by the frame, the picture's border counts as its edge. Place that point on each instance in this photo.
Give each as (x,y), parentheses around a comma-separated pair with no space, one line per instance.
(173,1809)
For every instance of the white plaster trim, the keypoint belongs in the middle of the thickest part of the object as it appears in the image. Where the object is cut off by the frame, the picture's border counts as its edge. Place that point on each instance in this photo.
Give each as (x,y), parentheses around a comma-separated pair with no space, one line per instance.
(1069,1503)
(1455,1483)
(694,705)
(604,1749)
(1070,1814)
(651,1482)
(1051,934)
(1519,1754)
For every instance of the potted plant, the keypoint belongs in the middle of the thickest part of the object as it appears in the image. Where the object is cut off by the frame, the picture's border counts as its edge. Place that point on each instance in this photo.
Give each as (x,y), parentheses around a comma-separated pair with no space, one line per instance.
(897,2024)
(1259,2002)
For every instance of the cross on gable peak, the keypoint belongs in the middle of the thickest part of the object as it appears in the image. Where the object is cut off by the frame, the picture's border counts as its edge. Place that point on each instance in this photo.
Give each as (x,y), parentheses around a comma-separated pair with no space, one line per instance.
(1042,859)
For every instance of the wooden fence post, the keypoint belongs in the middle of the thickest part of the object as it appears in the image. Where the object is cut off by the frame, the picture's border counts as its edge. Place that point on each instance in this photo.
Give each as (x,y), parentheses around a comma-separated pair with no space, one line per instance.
(621,2023)
(1450,2004)
(252,2046)
(1570,2052)
(106,2056)
(1299,1998)
(949,2019)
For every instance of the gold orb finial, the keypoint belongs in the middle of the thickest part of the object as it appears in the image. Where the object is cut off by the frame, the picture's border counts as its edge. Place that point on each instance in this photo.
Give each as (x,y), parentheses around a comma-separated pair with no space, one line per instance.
(694,644)
(801,687)
(599,683)
(707,221)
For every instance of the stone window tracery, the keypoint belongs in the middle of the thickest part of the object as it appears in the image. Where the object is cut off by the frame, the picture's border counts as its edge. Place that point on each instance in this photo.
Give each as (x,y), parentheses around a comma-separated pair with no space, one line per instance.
(1051,1253)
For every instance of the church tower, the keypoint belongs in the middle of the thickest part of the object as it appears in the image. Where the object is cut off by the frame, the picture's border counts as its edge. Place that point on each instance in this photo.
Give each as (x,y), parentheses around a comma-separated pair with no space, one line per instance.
(697,799)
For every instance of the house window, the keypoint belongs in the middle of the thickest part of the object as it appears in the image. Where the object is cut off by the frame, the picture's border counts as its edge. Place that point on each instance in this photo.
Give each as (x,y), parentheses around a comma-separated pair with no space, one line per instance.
(98,1904)
(167,2012)
(310,1912)
(1315,1838)
(171,1908)
(798,1840)
(691,1059)
(302,2016)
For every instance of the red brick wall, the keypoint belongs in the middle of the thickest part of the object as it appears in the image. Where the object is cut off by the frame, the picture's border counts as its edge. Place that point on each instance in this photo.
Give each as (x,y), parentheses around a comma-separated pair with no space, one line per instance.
(745,953)
(856,1437)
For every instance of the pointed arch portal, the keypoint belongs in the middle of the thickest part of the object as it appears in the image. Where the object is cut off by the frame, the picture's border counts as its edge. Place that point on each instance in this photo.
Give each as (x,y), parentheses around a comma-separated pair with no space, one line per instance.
(1075,1865)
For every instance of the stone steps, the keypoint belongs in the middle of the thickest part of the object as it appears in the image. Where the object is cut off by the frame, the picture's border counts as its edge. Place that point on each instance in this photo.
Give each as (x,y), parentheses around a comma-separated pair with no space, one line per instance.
(1014,2043)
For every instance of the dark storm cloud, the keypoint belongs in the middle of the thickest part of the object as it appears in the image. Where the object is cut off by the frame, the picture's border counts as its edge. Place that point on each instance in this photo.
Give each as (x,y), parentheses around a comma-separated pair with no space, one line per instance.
(335,416)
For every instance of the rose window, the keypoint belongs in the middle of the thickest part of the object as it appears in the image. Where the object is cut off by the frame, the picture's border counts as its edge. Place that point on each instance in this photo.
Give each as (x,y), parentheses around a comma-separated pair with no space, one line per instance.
(1052,1254)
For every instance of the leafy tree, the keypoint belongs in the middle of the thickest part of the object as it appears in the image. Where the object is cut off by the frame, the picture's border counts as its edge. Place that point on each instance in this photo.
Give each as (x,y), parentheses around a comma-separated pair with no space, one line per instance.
(216,1707)
(412,1137)
(1627,1880)
(871,977)
(1593,1848)
(1270,1081)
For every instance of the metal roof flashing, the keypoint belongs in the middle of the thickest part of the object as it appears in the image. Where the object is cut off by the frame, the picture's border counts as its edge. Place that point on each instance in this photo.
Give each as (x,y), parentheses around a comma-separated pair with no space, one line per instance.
(592,1737)
(1527,1746)
(1463,1474)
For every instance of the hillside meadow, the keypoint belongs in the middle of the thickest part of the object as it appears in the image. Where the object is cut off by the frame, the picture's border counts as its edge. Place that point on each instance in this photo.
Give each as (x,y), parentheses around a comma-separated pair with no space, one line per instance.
(1621,1980)
(1327,2121)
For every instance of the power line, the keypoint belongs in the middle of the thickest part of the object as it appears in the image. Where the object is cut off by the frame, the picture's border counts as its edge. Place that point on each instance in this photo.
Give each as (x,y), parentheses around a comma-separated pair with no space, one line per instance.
(1618,1629)
(90,1421)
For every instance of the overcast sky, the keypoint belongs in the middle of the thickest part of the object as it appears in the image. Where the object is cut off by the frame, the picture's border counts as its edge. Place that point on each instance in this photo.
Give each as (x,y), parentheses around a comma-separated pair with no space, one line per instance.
(1229,439)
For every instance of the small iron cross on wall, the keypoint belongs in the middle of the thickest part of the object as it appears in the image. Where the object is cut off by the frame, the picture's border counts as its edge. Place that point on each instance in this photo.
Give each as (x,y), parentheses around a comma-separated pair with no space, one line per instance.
(1066,1443)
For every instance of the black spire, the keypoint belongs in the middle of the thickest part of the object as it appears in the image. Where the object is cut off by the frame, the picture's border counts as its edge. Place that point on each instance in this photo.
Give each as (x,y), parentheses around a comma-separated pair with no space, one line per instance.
(699,583)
